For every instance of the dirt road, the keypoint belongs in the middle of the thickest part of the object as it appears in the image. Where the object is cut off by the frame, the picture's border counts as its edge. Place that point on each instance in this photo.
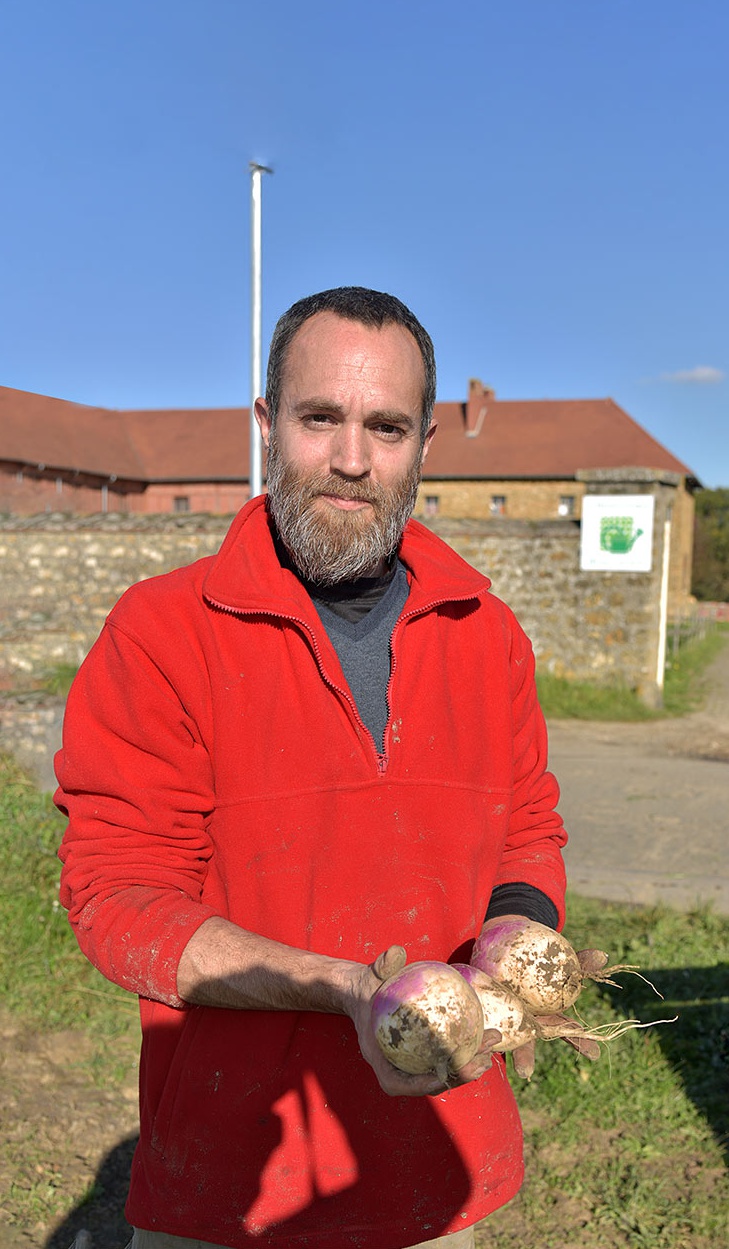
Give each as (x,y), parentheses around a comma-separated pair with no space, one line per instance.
(647,804)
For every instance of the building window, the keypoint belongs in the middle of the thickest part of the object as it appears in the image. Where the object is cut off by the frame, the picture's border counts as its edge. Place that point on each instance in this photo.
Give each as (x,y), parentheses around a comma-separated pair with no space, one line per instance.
(566,505)
(432,504)
(497,506)
(182,503)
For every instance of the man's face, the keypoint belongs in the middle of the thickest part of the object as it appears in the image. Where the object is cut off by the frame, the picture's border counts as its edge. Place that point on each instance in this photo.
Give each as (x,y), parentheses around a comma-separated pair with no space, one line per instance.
(345,454)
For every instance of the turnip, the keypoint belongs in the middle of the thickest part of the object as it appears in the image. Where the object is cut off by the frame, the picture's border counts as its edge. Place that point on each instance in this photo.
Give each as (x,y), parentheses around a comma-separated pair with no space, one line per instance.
(539,964)
(427,1018)
(506,1011)
(518,1025)
(501,1009)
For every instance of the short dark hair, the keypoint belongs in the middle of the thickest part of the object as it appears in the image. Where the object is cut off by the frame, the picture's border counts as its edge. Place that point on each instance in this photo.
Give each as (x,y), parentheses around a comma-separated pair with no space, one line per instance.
(352,303)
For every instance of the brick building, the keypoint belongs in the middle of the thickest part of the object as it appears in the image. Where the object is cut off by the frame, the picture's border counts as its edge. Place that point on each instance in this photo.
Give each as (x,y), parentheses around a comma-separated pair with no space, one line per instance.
(491,458)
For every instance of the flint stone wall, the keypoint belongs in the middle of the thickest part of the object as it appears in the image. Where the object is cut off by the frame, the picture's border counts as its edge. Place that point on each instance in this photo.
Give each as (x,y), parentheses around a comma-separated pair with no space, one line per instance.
(61,576)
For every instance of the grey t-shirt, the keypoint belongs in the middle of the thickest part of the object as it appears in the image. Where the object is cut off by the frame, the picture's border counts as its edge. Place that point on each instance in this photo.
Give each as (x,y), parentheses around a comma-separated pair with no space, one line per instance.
(361,637)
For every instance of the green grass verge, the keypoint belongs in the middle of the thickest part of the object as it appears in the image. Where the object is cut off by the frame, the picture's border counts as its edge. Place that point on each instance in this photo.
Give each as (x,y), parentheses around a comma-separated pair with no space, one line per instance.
(43,975)
(58,680)
(683,690)
(631,1150)
(685,686)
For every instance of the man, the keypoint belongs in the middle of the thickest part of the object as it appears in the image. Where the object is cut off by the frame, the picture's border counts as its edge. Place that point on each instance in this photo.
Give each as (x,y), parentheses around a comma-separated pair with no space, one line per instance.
(280,765)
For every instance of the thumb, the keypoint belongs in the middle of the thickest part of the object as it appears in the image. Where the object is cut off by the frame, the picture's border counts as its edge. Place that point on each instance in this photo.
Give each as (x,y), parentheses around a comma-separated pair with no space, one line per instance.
(390,962)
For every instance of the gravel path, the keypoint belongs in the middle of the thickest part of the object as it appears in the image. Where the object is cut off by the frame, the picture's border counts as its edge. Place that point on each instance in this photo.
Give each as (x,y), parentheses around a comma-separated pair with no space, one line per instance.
(647,805)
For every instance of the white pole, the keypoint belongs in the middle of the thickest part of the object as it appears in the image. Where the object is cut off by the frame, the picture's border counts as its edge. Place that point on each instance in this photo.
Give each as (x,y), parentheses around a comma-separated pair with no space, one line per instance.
(663,616)
(255,472)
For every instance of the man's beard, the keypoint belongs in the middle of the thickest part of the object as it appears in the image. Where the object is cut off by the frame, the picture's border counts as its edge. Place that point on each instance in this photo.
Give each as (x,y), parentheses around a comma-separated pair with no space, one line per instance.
(329,545)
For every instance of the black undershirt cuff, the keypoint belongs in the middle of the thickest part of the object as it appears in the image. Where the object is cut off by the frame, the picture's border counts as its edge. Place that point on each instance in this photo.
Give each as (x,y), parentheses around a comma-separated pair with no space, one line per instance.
(522,899)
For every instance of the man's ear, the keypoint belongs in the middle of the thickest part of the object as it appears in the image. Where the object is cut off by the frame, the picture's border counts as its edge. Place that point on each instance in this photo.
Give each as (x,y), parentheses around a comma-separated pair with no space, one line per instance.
(260,410)
(428,439)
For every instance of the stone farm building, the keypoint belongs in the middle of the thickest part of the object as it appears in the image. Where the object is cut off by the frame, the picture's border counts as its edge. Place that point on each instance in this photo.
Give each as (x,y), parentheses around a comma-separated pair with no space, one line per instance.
(491,459)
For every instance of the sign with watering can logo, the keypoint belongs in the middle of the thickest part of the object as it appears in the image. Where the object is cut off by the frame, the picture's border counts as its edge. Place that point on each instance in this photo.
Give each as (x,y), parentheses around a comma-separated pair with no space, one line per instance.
(617,532)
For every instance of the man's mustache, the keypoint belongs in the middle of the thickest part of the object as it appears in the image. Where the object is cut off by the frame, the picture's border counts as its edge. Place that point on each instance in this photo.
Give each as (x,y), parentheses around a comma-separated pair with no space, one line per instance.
(362,492)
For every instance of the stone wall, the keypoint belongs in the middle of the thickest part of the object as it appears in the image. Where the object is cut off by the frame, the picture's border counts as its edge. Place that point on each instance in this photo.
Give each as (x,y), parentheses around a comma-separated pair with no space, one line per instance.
(61,576)
(535,500)
(583,625)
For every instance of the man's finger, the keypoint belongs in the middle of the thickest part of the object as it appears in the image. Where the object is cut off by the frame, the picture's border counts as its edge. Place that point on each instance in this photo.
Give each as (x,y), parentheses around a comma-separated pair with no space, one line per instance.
(390,962)
(490,1038)
(524,1059)
(585,1046)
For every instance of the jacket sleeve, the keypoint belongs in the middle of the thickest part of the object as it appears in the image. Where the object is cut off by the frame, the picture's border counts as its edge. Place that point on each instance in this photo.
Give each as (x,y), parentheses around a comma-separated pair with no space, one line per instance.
(135,782)
(533,851)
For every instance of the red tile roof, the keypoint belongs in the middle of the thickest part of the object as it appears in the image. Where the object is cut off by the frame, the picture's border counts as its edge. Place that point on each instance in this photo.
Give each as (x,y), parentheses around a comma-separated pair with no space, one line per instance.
(38,430)
(529,438)
(190,445)
(542,438)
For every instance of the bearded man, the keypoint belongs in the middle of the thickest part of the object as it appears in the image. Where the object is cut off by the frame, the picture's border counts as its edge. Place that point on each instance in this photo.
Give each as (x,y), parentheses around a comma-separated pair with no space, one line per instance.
(282,764)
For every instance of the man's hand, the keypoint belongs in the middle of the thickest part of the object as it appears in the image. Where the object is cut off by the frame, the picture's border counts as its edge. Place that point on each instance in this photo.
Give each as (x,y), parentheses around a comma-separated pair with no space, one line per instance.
(392,1081)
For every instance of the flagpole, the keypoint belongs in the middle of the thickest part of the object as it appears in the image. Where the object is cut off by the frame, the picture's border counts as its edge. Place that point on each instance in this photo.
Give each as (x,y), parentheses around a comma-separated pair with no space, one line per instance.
(255,456)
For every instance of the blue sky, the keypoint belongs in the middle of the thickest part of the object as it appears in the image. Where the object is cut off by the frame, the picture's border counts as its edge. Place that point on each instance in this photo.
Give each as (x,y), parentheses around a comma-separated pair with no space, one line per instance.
(543,181)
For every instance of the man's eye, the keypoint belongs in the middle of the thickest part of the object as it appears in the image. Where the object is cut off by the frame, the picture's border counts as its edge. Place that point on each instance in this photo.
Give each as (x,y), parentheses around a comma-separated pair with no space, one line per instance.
(389,431)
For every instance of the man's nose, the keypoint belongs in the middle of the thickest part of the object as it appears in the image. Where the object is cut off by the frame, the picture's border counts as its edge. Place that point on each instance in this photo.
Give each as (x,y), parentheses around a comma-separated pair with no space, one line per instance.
(350,451)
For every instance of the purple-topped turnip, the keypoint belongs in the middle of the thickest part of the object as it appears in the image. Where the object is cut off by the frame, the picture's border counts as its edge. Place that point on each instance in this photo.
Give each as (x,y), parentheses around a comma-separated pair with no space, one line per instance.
(539,964)
(427,1018)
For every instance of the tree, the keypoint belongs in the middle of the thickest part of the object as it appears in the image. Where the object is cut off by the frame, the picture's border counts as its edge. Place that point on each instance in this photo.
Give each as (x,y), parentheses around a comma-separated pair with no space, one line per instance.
(711,545)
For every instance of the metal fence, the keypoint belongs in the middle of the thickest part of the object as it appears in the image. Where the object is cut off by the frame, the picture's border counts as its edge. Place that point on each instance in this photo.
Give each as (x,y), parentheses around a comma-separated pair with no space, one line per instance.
(693,623)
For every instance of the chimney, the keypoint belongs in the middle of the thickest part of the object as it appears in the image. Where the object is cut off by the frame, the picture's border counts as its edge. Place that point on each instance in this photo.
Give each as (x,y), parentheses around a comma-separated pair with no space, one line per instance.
(479,397)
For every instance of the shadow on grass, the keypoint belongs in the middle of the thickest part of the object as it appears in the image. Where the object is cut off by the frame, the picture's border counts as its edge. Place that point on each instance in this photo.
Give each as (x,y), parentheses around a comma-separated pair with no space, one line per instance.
(697,1045)
(102,1213)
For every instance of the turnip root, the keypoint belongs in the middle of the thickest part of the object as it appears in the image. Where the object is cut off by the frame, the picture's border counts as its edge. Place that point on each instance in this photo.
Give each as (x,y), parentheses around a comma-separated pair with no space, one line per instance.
(539,964)
(504,1010)
(427,1018)
(501,1008)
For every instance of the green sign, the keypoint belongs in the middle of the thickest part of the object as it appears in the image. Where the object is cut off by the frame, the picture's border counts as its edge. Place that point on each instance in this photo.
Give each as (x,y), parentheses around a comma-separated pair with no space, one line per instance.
(617,532)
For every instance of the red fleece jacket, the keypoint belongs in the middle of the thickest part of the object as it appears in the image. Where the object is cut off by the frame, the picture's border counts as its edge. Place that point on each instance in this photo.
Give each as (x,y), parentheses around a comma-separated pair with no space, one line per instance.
(214,763)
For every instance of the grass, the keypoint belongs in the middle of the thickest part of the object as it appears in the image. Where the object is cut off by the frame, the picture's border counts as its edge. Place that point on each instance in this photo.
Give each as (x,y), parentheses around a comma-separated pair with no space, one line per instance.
(631,1150)
(625,1153)
(58,680)
(683,689)
(43,975)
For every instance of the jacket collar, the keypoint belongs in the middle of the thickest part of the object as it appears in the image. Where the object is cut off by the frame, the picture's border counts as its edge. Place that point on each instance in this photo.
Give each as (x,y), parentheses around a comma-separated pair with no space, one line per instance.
(247,576)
